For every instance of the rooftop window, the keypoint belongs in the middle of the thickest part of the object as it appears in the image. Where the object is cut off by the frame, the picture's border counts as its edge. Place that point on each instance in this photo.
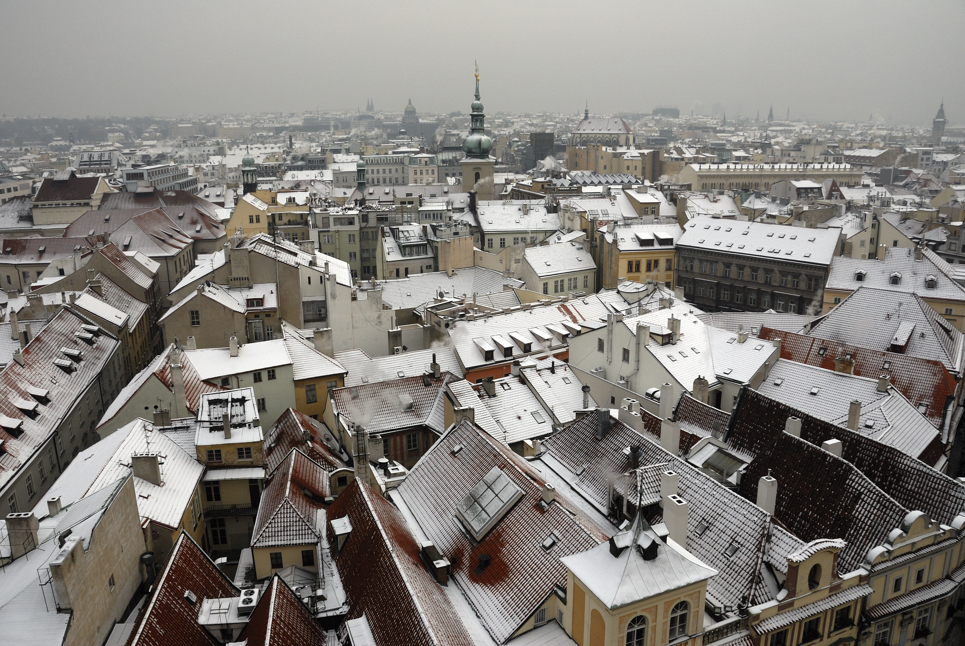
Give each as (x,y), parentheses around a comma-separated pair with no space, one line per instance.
(486,504)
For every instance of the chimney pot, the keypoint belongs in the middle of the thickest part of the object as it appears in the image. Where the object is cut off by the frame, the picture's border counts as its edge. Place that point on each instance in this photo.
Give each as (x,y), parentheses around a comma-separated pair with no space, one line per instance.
(832,446)
(669,481)
(793,426)
(233,345)
(676,513)
(666,400)
(586,396)
(53,506)
(767,494)
(549,493)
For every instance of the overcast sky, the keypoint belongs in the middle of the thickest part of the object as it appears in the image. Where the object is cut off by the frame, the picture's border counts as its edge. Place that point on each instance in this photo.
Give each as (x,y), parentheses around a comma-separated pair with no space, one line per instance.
(825,60)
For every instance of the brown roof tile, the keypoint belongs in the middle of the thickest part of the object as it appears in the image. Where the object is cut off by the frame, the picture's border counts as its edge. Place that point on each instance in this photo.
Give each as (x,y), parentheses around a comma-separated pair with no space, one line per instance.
(286,514)
(288,432)
(280,619)
(73,189)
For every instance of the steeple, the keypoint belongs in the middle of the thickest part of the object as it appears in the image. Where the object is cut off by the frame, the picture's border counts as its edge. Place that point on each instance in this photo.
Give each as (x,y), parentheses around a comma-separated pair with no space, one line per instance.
(477,145)
(938,125)
(770,115)
(249,173)
(586,111)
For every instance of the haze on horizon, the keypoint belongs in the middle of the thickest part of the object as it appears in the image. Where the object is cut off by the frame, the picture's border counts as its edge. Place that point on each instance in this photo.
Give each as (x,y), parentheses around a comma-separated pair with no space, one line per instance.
(826,61)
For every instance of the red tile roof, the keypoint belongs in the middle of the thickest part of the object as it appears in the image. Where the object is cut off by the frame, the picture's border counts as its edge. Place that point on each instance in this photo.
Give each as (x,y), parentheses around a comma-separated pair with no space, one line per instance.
(521,573)
(379,408)
(169,618)
(384,577)
(127,266)
(194,386)
(288,432)
(280,619)
(859,497)
(918,379)
(286,515)
(158,199)
(73,189)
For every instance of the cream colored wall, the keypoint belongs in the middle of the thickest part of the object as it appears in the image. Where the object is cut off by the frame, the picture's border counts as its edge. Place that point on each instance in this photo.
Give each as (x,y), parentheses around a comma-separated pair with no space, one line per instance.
(218,324)
(290,555)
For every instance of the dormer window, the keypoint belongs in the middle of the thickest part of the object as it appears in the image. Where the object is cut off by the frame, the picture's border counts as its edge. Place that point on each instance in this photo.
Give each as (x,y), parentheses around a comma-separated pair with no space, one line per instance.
(859,275)
(895,278)
(931,282)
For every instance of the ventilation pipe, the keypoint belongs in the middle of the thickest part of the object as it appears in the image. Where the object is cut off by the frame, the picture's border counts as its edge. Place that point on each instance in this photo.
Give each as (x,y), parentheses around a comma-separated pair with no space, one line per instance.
(586,396)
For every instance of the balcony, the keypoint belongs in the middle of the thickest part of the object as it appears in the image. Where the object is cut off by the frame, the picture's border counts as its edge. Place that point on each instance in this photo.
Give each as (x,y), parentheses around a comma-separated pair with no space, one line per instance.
(724,629)
(229,511)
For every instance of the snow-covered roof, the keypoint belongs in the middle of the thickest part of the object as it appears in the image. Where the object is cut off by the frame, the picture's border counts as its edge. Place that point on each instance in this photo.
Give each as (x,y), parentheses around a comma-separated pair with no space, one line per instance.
(214,363)
(754,239)
(552,260)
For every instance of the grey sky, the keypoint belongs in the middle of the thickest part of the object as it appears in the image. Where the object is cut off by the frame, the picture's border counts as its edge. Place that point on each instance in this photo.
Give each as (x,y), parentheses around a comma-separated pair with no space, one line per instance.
(841,59)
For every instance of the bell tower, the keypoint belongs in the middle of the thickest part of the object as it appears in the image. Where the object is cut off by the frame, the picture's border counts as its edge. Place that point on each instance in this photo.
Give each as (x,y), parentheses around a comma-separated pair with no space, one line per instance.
(249,174)
(477,165)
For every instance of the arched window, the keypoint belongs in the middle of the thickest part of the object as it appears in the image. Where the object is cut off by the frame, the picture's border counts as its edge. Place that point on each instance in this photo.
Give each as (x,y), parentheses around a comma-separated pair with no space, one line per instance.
(814,576)
(679,617)
(637,631)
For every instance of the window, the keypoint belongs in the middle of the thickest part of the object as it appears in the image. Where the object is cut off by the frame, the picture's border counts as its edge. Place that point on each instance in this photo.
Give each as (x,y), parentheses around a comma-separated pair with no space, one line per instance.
(310,395)
(244,452)
(740,273)
(626,355)
(923,623)
(195,318)
(275,560)
(540,617)
(12,503)
(754,274)
(779,638)
(948,311)
(883,633)
(637,631)
(43,471)
(814,576)
(678,620)
(920,576)
(261,404)
(842,619)
(502,243)
(811,630)
(212,491)
(600,346)
(586,281)
(412,442)
(896,585)
(668,265)
(219,533)
(630,266)
(257,377)
(214,455)
(225,381)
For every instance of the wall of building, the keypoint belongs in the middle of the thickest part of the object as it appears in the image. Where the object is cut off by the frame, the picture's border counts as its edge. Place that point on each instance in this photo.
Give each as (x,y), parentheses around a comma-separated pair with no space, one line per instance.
(290,555)
(217,324)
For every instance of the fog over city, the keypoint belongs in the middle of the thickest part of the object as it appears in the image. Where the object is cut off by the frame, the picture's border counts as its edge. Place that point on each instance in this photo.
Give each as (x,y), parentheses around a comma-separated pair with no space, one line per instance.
(821,60)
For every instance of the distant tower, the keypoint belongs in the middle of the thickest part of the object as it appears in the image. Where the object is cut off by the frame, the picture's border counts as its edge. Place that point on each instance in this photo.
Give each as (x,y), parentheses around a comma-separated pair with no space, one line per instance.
(360,175)
(938,125)
(770,115)
(723,122)
(788,117)
(758,117)
(249,174)
(410,120)
(477,166)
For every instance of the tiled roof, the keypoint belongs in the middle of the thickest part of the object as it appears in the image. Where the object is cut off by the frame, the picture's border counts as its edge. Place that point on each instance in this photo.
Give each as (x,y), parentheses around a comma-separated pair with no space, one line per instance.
(521,573)
(912,274)
(384,577)
(718,519)
(307,362)
(803,612)
(934,590)
(40,374)
(211,363)
(288,432)
(291,254)
(700,419)
(556,259)
(745,239)
(42,250)
(286,516)
(365,369)
(384,406)
(169,618)
(755,321)
(859,497)
(71,189)
(871,317)
(281,619)
(422,288)
(919,379)
(513,415)
(158,199)
(603,125)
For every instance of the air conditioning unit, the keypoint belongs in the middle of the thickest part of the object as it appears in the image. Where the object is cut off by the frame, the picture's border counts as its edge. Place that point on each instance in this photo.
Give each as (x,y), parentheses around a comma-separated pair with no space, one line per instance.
(247,602)
(397,349)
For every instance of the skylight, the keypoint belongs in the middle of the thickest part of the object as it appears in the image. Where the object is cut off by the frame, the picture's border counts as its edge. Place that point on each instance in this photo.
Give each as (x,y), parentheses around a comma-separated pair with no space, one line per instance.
(486,504)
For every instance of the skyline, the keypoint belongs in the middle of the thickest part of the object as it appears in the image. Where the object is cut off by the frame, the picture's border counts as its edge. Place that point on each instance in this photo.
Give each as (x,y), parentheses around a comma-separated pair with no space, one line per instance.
(207,59)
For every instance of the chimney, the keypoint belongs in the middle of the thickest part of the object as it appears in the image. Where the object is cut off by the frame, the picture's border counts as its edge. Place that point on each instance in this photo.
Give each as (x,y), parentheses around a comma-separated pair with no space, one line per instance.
(323,341)
(233,345)
(177,383)
(22,533)
(489,386)
(854,415)
(549,493)
(602,422)
(362,470)
(226,425)
(844,364)
(96,285)
(883,382)
(777,346)
(14,325)
(918,253)
(669,480)
(18,356)
(513,369)
(832,446)
(586,396)
(28,334)
(191,343)
(882,251)
(741,334)
(162,417)
(53,506)
(666,400)
(463,413)
(767,493)
(147,466)
(676,512)
(701,390)
(670,435)
(437,370)
(643,336)
(793,426)
(674,325)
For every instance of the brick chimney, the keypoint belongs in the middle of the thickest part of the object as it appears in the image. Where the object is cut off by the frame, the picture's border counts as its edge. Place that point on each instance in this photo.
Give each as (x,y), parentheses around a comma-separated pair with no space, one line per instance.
(854,415)
(793,426)
(147,466)
(676,513)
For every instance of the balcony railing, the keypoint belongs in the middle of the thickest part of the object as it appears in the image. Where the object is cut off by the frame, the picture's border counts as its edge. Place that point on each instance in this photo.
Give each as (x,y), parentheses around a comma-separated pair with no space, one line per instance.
(225,511)
(724,629)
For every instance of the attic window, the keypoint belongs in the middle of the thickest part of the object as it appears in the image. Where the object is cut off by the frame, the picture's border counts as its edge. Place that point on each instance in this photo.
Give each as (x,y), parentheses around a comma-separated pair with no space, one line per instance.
(731,549)
(701,528)
(821,351)
(895,278)
(64,364)
(886,365)
(759,346)
(486,504)
(456,449)
(550,541)
(922,407)
(931,282)
(859,275)
(72,353)
(869,423)
(778,381)
(85,337)
(505,385)
(538,417)
(11,425)
(815,390)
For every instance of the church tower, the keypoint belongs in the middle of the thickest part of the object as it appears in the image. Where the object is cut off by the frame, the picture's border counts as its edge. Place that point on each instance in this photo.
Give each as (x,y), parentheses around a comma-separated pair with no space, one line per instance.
(249,174)
(477,166)
(938,125)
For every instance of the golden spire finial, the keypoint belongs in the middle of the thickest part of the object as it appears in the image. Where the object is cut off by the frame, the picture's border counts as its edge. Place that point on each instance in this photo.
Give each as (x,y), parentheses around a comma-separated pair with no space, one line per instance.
(477,69)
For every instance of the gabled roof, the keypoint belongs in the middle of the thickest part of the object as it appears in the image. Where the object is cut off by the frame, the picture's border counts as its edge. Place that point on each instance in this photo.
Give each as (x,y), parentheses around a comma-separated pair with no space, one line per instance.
(394,404)
(777,243)
(281,619)
(130,268)
(66,189)
(307,362)
(363,369)
(859,497)
(158,199)
(385,579)
(552,260)
(521,573)
(169,617)
(418,289)
(912,274)
(871,318)
(286,515)
(211,291)
(601,125)
(288,432)
(211,363)
(919,379)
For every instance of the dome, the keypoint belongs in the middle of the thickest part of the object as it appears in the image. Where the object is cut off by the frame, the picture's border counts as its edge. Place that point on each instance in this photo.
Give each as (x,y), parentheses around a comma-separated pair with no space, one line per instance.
(248,161)
(477,106)
(477,145)
(360,163)
(410,109)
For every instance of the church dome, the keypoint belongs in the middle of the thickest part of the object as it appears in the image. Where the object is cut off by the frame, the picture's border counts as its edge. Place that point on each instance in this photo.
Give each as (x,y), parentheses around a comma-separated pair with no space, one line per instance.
(248,161)
(477,145)
(410,109)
